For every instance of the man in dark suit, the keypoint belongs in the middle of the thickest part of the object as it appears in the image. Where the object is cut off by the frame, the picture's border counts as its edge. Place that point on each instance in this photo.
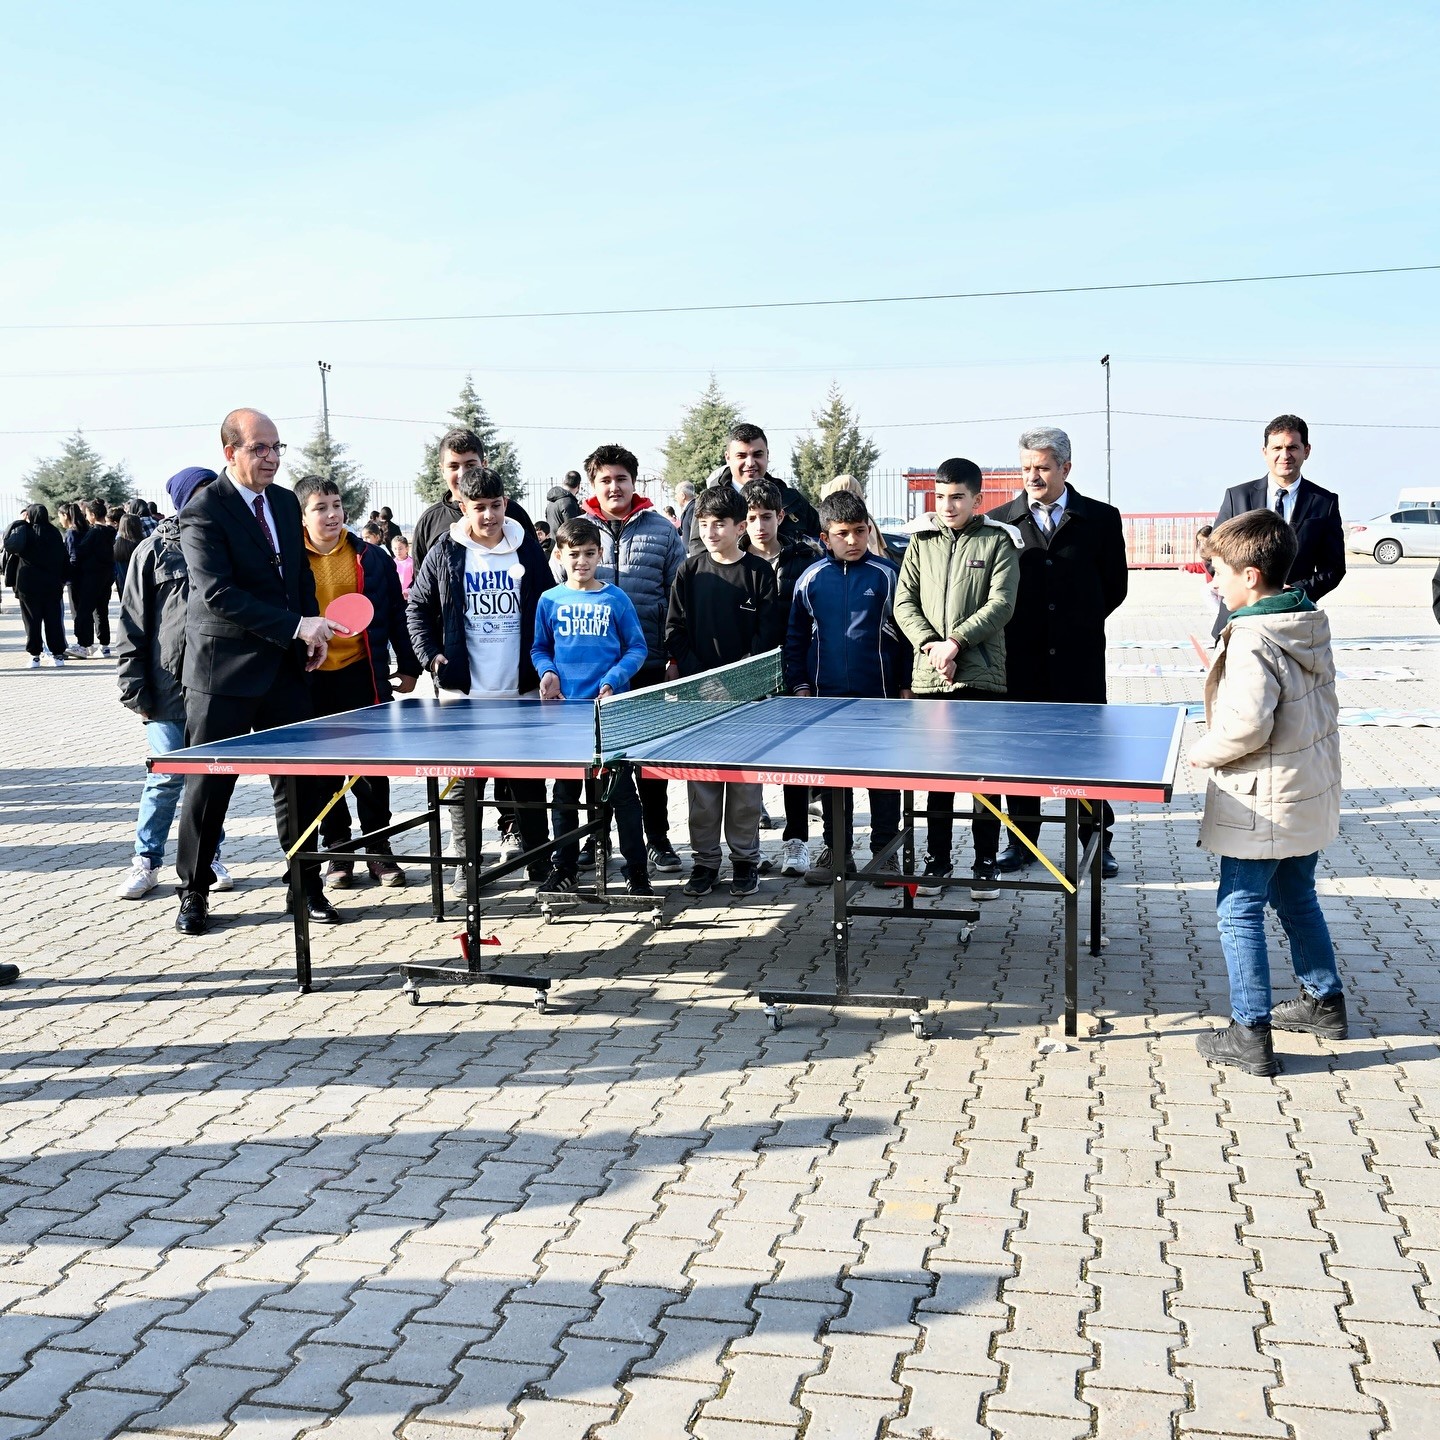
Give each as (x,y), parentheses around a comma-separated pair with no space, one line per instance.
(1313,513)
(1073,576)
(253,631)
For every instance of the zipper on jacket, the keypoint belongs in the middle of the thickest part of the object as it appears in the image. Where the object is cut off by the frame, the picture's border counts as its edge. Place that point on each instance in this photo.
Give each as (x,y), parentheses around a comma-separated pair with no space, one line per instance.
(949,564)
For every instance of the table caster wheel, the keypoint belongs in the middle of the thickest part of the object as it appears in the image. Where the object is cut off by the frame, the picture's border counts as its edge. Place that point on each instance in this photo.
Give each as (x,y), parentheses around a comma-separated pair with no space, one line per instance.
(412,992)
(966,931)
(772,1014)
(918,1027)
(539,1002)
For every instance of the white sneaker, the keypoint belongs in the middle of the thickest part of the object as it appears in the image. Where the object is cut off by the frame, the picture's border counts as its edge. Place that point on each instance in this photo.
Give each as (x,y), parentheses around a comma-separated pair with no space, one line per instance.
(223,878)
(141,880)
(34,662)
(511,848)
(99,651)
(58,660)
(796,857)
(77,652)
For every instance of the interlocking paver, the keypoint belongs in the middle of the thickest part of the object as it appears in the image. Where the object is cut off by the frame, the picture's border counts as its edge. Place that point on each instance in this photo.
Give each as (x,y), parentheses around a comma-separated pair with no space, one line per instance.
(462,1219)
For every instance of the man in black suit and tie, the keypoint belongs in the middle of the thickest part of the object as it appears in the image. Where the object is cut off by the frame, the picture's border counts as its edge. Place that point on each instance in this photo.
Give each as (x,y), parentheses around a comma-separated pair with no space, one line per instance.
(1073,576)
(252,632)
(1313,513)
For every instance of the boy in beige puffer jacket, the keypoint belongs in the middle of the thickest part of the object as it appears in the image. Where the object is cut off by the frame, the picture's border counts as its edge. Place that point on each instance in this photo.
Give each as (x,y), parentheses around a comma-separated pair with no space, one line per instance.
(1273,799)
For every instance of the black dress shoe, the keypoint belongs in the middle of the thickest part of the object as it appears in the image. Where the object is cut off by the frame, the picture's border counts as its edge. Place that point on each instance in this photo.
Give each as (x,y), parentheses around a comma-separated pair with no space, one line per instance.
(194,916)
(318,910)
(1109,865)
(1012,858)
(9,973)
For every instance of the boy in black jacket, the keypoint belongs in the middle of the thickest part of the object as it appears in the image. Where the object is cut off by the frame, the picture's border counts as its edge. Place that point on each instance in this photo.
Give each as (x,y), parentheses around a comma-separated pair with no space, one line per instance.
(723,607)
(789,559)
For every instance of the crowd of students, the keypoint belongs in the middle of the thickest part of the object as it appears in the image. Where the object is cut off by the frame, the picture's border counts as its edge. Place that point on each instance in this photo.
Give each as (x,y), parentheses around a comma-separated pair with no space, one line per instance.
(84,549)
(620,596)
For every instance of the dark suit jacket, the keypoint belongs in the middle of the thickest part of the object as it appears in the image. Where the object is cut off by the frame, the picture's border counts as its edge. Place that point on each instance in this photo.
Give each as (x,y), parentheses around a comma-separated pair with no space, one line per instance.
(1055,641)
(1315,517)
(244,607)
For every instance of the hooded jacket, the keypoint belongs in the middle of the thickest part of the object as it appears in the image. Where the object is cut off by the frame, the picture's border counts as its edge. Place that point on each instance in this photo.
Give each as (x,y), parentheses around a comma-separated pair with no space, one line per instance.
(435,520)
(561,504)
(151,646)
(842,638)
(36,563)
(435,611)
(960,585)
(1272,742)
(640,555)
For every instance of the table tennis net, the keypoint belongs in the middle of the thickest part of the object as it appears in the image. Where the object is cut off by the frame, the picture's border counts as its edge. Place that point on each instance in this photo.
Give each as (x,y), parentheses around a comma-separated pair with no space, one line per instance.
(624,721)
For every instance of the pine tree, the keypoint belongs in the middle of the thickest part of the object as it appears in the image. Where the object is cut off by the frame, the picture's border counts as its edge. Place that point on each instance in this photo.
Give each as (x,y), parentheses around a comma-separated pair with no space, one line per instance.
(698,446)
(500,455)
(838,447)
(78,473)
(326,458)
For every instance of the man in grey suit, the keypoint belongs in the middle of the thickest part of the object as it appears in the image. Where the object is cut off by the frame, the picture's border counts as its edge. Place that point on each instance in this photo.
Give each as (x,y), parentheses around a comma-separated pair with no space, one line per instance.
(1313,513)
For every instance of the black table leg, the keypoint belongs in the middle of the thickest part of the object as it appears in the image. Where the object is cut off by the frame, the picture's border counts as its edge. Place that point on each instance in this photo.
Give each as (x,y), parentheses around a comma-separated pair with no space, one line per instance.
(840,861)
(437,870)
(471,801)
(1072,915)
(1097,885)
(299,914)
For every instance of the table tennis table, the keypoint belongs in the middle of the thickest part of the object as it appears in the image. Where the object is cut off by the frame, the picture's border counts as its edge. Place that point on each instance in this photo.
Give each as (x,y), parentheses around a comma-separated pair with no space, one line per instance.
(731,725)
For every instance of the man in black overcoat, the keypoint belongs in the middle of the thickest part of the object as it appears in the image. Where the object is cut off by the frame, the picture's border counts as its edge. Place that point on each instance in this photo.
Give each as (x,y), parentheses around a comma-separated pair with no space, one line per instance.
(1073,576)
(252,632)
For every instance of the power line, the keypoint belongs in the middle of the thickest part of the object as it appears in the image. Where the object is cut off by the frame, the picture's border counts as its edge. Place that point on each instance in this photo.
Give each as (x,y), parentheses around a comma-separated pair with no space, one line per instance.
(1252,420)
(734,306)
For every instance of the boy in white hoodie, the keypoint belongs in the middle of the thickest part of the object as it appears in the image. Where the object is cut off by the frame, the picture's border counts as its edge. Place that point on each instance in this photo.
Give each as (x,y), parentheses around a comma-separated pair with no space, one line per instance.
(1273,799)
(471,617)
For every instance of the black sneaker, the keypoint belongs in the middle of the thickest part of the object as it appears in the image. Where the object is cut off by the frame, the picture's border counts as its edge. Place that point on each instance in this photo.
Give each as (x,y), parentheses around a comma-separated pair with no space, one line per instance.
(702,881)
(639,887)
(1246,1047)
(982,881)
(664,858)
(1313,1015)
(194,916)
(556,884)
(744,880)
(938,871)
(340,874)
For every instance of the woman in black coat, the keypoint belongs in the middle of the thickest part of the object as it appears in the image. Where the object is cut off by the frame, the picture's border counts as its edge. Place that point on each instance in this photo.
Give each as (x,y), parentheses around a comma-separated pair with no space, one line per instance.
(92,563)
(40,575)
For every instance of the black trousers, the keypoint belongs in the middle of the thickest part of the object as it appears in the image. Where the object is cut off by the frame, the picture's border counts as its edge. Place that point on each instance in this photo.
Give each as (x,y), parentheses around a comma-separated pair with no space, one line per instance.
(884,819)
(797,812)
(91,607)
(565,815)
(43,613)
(207,797)
(939,830)
(1025,812)
(332,692)
(654,794)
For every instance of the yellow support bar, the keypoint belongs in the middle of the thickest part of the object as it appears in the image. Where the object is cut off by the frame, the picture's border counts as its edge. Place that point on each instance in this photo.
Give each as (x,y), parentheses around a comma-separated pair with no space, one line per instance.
(1025,840)
(314,825)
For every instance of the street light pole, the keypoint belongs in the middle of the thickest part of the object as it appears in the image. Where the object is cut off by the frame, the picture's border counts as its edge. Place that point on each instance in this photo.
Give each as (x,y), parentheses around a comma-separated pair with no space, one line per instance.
(1105,361)
(324,399)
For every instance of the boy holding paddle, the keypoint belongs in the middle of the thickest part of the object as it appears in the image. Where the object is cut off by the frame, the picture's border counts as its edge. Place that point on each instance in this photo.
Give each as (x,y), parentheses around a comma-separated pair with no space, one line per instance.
(356,671)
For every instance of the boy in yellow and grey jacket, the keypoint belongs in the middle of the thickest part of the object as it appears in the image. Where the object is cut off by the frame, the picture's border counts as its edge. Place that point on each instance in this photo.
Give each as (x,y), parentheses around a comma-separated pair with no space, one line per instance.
(956,592)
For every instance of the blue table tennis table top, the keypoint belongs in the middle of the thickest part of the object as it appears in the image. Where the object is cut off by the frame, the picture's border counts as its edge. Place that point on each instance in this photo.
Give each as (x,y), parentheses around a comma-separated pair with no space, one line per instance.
(1072,751)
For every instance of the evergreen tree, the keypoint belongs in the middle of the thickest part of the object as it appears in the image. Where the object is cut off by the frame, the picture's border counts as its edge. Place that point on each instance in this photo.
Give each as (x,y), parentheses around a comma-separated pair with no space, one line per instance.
(326,458)
(78,473)
(698,446)
(838,448)
(500,455)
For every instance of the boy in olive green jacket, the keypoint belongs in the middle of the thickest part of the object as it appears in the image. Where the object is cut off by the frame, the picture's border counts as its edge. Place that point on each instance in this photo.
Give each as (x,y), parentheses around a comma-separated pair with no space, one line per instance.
(957,591)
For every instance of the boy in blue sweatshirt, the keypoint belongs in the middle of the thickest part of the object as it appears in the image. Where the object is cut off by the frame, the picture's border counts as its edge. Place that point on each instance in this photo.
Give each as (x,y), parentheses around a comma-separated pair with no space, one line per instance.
(589,643)
(843,640)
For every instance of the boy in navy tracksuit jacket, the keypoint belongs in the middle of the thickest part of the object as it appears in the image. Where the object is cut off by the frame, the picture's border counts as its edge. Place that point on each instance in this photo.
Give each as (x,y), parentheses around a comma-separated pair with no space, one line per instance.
(843,640)
(589,643)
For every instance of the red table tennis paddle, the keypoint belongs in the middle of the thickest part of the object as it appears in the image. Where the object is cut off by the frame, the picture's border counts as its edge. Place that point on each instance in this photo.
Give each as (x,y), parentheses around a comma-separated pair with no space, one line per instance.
(353,612)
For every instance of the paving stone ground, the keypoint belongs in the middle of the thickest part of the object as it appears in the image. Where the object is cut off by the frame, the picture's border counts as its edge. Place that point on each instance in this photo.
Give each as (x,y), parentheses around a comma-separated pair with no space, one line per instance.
(229,1211)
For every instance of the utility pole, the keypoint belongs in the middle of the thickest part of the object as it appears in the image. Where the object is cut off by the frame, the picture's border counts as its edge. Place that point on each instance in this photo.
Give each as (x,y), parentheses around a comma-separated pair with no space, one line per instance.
(1105,361)
(325,398)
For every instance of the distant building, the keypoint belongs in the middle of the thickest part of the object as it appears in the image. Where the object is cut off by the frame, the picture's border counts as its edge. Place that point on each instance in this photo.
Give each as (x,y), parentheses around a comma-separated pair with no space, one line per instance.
(1001,485)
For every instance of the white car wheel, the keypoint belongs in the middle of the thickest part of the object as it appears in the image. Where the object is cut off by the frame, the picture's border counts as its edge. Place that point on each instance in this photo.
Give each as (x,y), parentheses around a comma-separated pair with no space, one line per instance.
(1387,552)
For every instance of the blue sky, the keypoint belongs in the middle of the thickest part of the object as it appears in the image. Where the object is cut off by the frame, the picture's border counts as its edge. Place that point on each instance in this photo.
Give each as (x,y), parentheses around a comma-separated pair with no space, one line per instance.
(257,162)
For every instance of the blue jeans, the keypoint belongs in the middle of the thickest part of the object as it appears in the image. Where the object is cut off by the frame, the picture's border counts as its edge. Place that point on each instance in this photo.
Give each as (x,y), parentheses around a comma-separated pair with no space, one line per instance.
(161,795)
(1288,886)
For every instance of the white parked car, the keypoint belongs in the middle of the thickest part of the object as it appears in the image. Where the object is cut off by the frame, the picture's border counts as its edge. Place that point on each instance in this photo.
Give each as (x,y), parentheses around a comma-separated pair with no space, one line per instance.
(1412,531)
